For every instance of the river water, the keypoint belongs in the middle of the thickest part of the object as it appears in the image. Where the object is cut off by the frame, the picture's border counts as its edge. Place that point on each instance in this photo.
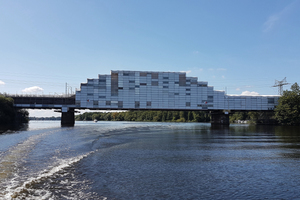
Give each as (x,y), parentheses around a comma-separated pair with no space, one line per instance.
(124,160)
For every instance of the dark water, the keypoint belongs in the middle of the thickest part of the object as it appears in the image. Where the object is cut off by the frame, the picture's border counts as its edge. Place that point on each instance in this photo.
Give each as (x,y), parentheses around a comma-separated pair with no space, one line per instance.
(122,160)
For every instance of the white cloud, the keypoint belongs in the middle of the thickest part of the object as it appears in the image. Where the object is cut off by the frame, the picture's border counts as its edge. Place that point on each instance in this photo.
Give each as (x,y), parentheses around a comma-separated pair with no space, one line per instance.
(195,52)
(34,89)
(268,25)
(2,83)
(273,19)
(223,76)
(187,71)
(200,69)
(238,89)
(247,93)
(221,69)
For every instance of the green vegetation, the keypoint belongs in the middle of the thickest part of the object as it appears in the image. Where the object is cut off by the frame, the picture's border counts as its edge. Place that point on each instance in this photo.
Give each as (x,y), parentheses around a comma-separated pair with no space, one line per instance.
(261,117)
(174,116)
(239,116)
(150,116)
(8,114)
(288,110)
(45,118)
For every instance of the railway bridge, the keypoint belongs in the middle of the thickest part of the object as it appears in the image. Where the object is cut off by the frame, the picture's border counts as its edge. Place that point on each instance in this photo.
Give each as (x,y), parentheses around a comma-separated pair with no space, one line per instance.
(147,90)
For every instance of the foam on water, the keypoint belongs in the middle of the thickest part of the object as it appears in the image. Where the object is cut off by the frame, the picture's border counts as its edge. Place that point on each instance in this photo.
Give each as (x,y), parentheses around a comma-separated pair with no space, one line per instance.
(19,190)
(11,159)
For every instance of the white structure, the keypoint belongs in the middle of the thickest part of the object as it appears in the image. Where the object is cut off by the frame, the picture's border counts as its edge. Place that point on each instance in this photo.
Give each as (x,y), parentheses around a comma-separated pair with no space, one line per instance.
(162,90)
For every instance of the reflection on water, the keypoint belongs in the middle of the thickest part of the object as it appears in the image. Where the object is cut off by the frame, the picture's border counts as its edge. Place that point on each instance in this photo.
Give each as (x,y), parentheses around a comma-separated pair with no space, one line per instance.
(13,128)
(31,125)
(135,160)
(288,134)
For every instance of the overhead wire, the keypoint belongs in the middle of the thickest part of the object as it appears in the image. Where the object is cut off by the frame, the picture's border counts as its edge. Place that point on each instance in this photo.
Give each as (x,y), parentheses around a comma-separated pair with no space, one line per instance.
(60,80)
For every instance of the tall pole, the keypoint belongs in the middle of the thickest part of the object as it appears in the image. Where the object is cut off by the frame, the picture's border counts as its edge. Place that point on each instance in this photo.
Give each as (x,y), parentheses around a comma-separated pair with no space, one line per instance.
(280,85)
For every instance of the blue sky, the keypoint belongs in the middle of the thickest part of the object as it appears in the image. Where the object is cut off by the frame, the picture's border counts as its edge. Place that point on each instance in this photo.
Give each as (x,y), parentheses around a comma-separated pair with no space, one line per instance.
(233,44)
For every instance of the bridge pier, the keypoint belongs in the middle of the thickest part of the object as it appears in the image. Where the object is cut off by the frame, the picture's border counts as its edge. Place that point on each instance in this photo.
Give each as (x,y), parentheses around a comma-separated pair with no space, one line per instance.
(67,117)
(219,118)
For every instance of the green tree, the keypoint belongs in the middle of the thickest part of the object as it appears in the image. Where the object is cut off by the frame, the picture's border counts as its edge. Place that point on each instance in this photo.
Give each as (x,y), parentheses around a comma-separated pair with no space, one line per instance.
(155,116)
(175,115)
(196,116)
(22,116)
(164,116)
(10,115)
(288,110)
(95,116)
(7,113)
(240,116)
(190,116)
(130,116)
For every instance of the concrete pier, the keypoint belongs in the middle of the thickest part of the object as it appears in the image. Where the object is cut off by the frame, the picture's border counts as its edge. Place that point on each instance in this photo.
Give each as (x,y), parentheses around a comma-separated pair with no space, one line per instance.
(68,118)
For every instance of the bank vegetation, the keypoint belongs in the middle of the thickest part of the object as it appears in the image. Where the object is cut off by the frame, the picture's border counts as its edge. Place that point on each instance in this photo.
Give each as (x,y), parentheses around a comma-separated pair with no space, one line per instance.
(287,111)
(10,115)
(149,116)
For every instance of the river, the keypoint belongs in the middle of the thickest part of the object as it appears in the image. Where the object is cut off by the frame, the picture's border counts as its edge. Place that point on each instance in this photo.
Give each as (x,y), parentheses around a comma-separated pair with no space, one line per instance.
(141,160)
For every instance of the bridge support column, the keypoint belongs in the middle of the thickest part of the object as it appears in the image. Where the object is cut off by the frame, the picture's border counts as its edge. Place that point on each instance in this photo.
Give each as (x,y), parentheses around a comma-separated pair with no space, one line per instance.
(219,118)
(67,117)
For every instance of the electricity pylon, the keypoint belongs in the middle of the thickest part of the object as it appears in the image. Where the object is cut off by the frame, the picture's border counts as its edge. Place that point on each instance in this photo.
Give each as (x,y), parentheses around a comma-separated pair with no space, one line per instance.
(280,85)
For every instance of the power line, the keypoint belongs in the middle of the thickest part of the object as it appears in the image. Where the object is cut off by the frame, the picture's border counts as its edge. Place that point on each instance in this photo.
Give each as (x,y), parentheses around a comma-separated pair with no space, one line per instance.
(280,85)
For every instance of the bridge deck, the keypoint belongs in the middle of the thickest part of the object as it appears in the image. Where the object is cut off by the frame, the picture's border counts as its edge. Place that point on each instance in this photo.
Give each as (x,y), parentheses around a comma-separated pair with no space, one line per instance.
(45,102)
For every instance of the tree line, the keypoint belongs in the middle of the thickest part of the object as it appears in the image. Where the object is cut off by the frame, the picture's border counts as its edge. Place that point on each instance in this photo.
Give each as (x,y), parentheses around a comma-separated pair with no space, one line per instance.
(150,116)
(174,116)
(45,118)
(10,115)
(287,111)
(254,117)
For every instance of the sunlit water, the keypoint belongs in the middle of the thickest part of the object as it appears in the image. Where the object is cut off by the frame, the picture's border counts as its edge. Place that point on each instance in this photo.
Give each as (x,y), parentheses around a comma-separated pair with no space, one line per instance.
(123,160)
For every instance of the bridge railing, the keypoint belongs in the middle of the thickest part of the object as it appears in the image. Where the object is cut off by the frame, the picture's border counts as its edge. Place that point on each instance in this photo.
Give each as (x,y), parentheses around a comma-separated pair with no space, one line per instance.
(44,100)
(39,95)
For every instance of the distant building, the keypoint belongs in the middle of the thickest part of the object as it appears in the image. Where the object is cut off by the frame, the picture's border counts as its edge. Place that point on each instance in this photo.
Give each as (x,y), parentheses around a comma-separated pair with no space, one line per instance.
(162,90)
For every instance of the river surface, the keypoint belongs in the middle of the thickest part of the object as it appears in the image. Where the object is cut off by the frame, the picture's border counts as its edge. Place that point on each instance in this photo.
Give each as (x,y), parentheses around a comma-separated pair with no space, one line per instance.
(136,160)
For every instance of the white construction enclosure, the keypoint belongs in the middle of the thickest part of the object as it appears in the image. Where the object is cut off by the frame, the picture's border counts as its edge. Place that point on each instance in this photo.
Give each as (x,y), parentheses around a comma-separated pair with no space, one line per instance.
(128,90)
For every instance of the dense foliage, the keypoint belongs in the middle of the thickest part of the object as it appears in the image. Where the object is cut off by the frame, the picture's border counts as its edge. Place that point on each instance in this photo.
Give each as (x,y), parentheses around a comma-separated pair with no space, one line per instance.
(10,115)
(45,118)
(7,113)
(151,116)
(239,116)
(259,117)
(288,110)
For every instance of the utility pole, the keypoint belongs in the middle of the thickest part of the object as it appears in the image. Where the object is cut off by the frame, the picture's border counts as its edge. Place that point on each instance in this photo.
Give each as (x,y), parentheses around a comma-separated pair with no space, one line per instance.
(280,85)
(66,88)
